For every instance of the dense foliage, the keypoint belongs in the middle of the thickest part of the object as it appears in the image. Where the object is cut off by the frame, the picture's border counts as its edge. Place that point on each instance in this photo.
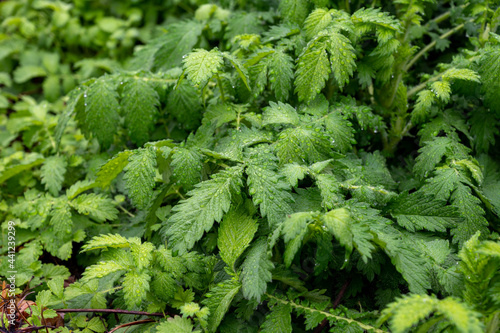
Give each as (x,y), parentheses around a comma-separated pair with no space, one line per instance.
(251,166)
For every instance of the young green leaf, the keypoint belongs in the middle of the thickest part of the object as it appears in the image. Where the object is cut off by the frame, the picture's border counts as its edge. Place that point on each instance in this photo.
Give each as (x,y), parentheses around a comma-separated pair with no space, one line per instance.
(139,176)
(236,231)
(112,168)
(200,65)
(313,69)
(279,320)
(219,300)
(140,105)
(207,203)
(256,271)
(281,74)
(267,187)
(96,206)
(102,111)
(53,170)
(187,165)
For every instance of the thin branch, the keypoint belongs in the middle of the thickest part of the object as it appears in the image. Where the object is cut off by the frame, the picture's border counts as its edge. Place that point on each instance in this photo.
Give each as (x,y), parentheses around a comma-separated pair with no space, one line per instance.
(324,313)
(221,88)
(32,328)
(334,305)
(342,291)
(139,322)
(422,85)
(126,211)
(140,313)
(432,44)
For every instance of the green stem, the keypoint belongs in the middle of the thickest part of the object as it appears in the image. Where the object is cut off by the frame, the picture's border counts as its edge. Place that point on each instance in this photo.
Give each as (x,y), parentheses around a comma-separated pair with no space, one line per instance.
(432,44)
(422,85)
(324,313)
(126,211)
(444,16)
(347,6)
(221,89)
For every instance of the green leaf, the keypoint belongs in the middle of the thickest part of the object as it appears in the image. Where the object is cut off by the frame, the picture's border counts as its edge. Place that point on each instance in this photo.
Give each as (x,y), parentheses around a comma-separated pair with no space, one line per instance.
(482,130)
(471,212)
(294,230)
(489,69)
(102,111)
(337,222)
(105,241)
(443,183)
(442,89)
(53,170)
(411,265)
(102,269)
(461,74)
(341,57)
(220,114)
(430,155)
(219,300)
(60,219)
(236,231)
(295,224)
(267,188)
(140,106)
(373,17)
(294,172)
(163,285)
(279,320)
(341,131)
(11,171)
(423,107)
(281,74)
(294,11)
(410,310)
(56,286)
(75,98)
(96,206)
(187,164)
(176,324)
(200,65)
(318,20)
(302,145)
(460,315)
(142,254)
(417,211)
(280,114)
(313,69)
(207,203)
(135,288)
(178,40)
(112,168)
(256,271)
(242,71)
(185,103)
(139,176)
(28,72)
(405,256)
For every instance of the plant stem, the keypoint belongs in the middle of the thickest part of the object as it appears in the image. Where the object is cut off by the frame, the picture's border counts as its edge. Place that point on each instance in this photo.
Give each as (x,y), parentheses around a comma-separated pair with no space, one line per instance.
(221,89)
(422,85)
(324,313)
(334,306)
(126,211)
(144,321)
(139,313)
(432,44)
